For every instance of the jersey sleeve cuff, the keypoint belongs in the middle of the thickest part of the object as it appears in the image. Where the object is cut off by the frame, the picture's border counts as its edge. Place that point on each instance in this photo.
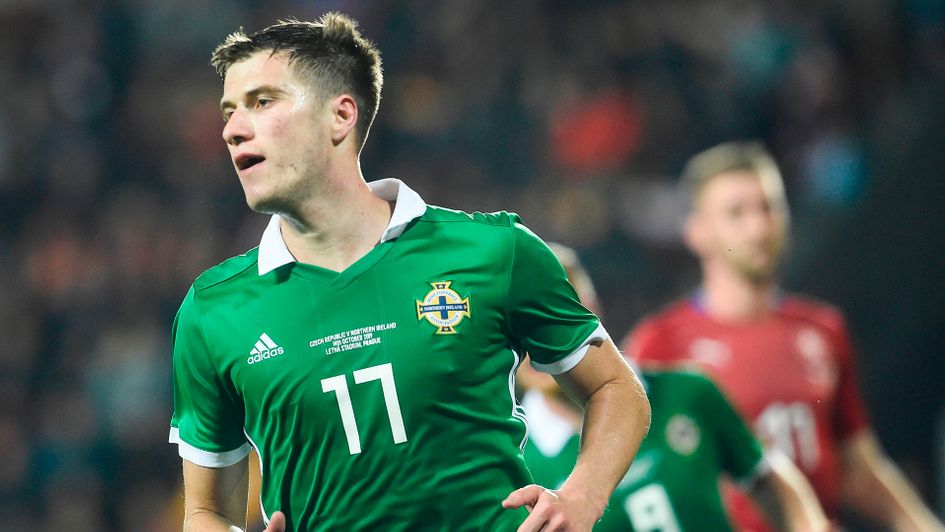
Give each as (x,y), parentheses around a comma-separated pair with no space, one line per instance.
(576,356)
(207,458)
(761,469)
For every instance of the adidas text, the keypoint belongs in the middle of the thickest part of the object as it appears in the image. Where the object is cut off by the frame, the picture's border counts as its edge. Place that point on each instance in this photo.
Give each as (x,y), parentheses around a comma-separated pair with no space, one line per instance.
(265,348)
(268,353)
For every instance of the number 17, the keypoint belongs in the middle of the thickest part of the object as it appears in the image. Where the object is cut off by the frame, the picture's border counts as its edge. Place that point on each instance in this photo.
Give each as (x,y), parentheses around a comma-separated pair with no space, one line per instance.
(339,385)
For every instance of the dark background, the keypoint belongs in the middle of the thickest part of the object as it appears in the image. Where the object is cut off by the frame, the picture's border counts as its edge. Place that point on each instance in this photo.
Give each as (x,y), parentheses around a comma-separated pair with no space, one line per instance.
(116,191)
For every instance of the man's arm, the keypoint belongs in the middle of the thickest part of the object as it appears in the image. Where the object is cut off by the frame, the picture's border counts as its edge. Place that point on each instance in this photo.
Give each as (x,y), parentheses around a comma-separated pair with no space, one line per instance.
(874,486)
(617,417)
(786,498)
(215,498)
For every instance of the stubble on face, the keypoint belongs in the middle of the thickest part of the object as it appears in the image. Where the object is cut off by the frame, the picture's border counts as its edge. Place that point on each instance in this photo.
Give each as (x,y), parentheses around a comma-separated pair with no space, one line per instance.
(288,134)
(745,227)
(754,271)
(294,183)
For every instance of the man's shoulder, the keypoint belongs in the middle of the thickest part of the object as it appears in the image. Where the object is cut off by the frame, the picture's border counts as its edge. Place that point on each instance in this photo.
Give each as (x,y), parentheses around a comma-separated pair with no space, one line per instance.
(226,271)
(678,376)
(438,214)
(683,387)
(658,338)
(665,321)
(497,231)
(805,308)
(674,313)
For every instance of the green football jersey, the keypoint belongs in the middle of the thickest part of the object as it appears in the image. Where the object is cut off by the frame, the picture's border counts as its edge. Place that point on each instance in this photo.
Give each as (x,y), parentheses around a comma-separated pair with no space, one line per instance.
(379,397)
(553,443)
(673,483)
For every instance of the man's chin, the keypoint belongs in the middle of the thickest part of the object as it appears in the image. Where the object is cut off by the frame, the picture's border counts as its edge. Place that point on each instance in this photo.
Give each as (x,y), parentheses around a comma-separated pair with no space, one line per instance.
(759,274)
(266,205)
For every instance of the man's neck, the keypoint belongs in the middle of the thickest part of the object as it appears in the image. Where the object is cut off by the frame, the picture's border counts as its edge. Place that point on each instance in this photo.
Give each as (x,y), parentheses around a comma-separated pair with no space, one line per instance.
(730,297)
(338,226)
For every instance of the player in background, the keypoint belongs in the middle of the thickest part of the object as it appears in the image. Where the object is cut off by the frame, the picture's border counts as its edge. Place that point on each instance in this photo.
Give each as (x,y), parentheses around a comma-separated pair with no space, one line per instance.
(366,349)
(695,437)
(785,361)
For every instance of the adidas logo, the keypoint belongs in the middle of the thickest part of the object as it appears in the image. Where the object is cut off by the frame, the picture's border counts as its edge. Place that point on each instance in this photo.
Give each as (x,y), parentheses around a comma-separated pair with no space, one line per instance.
(265,348)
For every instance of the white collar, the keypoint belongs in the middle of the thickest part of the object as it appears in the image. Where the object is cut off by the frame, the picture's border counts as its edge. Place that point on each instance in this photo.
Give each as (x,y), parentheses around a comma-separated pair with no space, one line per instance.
(409,206)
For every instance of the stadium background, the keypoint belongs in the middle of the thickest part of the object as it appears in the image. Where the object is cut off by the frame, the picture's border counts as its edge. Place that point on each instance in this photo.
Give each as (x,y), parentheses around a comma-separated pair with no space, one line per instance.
(116,190)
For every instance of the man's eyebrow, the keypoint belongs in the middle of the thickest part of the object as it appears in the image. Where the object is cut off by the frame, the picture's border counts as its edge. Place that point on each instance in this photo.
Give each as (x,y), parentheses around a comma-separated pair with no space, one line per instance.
(252,94)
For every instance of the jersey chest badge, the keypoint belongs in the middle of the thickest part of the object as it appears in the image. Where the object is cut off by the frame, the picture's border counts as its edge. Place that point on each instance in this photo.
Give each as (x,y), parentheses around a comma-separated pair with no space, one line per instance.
(443,308)
(682,434)
(815,354)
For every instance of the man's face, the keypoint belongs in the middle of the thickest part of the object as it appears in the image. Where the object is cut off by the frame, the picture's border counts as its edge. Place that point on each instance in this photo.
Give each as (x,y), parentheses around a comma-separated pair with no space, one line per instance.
(275,131)
(736,225)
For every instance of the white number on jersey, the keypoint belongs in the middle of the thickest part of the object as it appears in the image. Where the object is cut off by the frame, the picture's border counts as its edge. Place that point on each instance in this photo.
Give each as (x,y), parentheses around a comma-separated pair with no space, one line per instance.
(790,427)
(649,510)
(339,385)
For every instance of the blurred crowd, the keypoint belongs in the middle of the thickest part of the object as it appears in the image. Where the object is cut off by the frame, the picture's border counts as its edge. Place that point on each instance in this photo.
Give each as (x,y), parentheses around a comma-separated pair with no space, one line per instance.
(116,190)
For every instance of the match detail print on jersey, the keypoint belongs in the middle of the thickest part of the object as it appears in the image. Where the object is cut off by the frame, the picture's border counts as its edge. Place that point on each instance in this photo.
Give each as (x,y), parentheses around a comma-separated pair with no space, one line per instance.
(443,307)
(353,339)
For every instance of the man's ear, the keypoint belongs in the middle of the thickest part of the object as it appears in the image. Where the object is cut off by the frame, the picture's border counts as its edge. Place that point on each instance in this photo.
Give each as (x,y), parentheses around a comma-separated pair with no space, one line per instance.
(344,112)
(694,235)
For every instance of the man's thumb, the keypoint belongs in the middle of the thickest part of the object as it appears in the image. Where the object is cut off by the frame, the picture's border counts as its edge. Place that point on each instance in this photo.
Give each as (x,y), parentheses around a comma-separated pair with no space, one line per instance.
(276,523)
(526,496)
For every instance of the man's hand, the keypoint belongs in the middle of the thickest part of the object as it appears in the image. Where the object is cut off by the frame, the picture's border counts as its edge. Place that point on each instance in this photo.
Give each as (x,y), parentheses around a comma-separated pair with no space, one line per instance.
(277,523)
(552,510)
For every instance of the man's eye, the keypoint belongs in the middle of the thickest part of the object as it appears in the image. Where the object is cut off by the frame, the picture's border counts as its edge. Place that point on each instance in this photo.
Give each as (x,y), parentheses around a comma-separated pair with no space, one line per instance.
(263,102)
(226,117)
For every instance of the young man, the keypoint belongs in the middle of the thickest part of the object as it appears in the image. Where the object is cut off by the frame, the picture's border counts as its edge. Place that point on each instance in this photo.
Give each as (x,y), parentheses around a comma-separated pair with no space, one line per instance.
(366,349)
(695,436)
(784,361)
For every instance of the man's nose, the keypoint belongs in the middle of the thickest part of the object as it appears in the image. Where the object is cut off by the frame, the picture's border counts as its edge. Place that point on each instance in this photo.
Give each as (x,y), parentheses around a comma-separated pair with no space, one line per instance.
(238,129)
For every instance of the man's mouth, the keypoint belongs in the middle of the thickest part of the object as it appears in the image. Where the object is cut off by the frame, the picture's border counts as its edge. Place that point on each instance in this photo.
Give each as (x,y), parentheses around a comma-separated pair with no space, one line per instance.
(244,162)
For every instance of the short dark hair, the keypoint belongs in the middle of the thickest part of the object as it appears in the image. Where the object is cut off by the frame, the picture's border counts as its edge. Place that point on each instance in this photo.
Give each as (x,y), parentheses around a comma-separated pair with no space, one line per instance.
(330,51)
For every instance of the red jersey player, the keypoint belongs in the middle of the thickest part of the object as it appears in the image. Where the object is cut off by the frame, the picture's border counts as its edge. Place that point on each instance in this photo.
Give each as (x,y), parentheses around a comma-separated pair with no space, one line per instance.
(786,362)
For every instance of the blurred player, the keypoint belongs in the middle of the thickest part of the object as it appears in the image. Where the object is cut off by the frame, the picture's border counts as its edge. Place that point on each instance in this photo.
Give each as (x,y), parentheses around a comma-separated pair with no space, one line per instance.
(366,348)
(786,362)
(694,438)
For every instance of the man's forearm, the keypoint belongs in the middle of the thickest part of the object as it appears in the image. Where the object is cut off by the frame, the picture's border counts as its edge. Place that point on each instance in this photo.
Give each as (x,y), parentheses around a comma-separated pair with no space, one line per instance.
(215,498)
(875,487)
(886,496)
(617,417)
(786,498)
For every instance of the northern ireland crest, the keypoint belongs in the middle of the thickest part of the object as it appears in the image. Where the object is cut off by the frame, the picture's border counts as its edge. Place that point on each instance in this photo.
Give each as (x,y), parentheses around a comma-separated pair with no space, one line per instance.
(443,308)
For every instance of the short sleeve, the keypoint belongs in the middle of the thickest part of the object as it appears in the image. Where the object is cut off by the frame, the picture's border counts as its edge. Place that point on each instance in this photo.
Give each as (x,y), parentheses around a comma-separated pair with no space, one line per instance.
(545,318)
(742,455)
(207,424)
